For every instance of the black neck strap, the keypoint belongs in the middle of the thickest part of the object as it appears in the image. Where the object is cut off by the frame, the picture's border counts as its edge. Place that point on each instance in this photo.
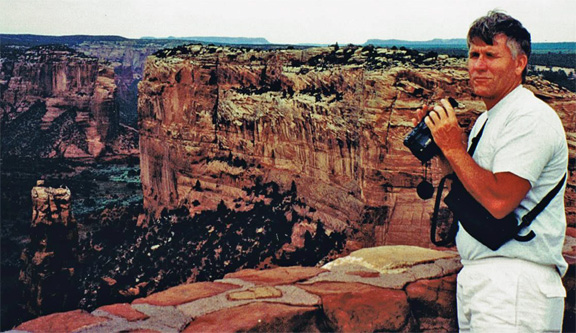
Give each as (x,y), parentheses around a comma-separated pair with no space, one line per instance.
(531,215)
(525,221)
(476,139)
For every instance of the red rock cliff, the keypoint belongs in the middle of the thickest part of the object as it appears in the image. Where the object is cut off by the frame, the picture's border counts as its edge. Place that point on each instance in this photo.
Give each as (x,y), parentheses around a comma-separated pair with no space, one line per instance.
(56,102)
(214,120)
(49,260)
(127,58)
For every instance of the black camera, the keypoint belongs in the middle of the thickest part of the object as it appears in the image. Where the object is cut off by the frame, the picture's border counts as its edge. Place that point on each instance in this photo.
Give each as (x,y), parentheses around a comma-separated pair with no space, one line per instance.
(420,141)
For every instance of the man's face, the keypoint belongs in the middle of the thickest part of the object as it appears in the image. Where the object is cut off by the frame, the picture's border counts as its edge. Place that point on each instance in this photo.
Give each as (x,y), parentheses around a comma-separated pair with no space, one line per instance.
(493,71)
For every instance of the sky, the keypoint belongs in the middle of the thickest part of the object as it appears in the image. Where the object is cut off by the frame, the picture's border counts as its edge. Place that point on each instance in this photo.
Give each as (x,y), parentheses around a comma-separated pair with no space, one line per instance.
(283,21)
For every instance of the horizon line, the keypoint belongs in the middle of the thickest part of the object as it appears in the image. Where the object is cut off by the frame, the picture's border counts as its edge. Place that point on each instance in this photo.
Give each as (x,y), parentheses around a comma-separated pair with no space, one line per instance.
(260,37)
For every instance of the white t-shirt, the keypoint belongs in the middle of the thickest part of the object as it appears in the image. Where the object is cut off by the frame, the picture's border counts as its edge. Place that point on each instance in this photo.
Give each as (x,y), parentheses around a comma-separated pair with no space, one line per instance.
(524,136)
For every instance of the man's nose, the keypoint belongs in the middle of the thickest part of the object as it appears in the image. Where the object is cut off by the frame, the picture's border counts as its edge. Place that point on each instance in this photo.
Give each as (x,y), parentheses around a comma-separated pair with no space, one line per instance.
(480,63)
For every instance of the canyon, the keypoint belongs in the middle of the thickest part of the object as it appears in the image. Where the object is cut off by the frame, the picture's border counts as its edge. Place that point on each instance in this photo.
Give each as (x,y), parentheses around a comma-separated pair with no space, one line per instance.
(60,123)
(58,103)
(127,58)
(249,158)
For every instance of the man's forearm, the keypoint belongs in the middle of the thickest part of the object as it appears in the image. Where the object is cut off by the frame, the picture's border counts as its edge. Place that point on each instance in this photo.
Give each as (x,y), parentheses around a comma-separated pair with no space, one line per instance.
(499,193)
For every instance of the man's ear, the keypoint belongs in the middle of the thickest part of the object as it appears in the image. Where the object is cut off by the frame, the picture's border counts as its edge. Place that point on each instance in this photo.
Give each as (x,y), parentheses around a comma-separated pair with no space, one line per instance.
(521,63)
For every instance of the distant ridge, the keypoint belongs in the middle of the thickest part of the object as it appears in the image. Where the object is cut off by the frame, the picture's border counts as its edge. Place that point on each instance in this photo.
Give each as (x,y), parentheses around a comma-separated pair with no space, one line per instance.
(219,40)
(434,43)
(32,40)
(8,41)
(451,46)
(460,43)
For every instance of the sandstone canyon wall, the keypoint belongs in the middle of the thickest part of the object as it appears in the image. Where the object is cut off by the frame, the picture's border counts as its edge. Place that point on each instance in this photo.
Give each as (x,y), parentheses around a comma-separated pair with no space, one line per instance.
(57,103)
(127,58)
(215,120)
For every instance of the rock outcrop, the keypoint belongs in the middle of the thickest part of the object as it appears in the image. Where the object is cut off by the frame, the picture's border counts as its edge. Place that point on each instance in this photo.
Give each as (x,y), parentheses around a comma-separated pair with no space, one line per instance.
(50,258)
(330,120)
(416,296)
(128,59)
(125,56)
(390,288)
(58,103)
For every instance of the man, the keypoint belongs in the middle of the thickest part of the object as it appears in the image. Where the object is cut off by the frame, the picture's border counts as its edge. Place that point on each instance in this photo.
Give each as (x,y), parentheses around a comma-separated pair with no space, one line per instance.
(522,154)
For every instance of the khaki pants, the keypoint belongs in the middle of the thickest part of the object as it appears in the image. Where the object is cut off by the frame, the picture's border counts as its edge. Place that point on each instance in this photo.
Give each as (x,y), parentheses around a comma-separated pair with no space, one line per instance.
(509,295)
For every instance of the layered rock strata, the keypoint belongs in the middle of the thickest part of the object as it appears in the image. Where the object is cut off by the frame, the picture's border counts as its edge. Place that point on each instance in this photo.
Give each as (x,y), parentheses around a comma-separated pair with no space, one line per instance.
(128,59)
(50,258)
(331,120)
(57,103)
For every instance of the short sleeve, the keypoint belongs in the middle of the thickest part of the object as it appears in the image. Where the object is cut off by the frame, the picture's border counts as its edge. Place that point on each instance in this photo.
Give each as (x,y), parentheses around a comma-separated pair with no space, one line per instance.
(524,147)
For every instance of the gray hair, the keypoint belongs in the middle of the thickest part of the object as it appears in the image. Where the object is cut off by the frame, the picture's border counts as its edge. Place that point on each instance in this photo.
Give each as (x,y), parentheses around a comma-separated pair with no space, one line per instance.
(494,23)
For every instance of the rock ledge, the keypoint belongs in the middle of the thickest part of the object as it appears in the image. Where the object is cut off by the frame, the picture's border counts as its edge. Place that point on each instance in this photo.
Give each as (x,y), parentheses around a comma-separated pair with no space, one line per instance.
(378,292)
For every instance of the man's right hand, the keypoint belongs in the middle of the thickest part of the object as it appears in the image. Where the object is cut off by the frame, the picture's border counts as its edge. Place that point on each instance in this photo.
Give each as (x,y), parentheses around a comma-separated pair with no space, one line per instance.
(420,114)
(443,164)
